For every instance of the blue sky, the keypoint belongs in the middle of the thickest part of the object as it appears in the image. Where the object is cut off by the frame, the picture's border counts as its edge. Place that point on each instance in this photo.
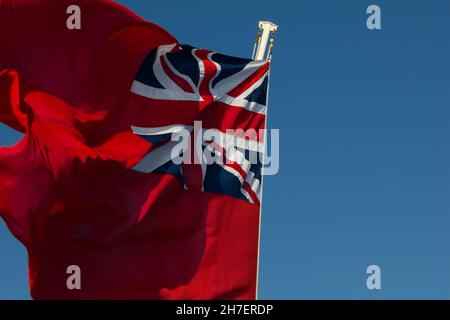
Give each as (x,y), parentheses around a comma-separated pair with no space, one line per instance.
(365,131)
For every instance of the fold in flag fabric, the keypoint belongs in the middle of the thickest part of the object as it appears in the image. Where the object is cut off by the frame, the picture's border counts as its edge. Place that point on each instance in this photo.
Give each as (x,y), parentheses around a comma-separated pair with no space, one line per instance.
(92,182)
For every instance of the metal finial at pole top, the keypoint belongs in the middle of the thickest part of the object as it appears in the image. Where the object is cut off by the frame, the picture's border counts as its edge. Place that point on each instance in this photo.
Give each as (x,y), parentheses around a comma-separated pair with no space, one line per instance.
(266,33)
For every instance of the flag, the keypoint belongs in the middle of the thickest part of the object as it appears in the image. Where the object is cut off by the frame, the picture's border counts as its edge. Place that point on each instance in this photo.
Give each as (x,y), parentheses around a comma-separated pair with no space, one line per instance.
(94,184)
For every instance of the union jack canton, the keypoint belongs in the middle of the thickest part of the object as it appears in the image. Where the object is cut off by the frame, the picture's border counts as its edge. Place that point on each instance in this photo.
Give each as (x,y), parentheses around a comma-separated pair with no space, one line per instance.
(222,92)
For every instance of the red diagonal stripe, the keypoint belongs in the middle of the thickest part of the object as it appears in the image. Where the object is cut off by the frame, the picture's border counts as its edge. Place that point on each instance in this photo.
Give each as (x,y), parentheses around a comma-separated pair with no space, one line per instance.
(249,81)
(182,83)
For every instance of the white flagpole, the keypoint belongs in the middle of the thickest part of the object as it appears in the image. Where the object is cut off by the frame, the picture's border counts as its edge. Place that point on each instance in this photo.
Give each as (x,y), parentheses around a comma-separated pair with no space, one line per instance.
(266,35)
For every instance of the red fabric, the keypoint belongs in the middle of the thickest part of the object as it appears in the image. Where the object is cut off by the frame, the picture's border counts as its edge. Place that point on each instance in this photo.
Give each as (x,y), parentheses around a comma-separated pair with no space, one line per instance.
(67,191)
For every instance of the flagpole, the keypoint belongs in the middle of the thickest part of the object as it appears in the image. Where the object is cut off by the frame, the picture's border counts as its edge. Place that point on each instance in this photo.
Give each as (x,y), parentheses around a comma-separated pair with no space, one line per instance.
(266,35)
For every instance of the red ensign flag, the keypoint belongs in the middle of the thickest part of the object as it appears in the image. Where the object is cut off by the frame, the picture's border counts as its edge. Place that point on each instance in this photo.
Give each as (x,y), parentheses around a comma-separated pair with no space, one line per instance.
(92,183)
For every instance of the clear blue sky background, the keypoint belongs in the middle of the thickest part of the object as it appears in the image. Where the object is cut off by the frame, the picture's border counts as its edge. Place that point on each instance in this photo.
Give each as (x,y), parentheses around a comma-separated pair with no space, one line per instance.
(365,133)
